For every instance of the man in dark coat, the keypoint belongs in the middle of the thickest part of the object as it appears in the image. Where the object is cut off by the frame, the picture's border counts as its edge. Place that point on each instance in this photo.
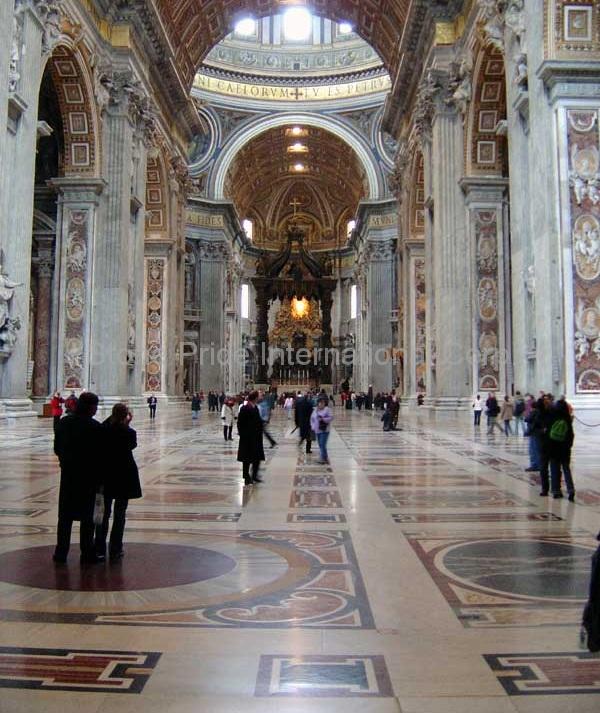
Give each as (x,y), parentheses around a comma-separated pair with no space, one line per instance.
(304,409)
(250,448)
(78,443)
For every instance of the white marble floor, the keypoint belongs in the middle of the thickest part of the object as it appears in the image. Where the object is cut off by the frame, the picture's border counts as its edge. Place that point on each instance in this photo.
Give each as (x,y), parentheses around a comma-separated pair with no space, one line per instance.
(421,572)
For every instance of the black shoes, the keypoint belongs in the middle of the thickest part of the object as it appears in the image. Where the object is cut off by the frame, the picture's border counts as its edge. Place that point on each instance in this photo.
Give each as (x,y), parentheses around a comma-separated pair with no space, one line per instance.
(544,493)
(531,470)
(572,497)
(58,559)
(92,559)
(557,496)
(116,556)
(257,480)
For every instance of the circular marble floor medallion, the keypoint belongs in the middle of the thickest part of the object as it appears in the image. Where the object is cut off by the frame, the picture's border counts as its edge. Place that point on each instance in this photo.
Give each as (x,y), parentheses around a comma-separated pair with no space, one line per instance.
(532,568)
(145,566)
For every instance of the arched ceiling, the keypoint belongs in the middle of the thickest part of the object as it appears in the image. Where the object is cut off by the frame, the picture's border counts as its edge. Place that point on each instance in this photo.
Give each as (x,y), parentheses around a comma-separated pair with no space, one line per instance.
(262,183)
(194,27)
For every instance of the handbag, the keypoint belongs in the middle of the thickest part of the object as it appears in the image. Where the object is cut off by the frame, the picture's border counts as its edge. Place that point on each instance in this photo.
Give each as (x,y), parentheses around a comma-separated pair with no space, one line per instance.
(99,509)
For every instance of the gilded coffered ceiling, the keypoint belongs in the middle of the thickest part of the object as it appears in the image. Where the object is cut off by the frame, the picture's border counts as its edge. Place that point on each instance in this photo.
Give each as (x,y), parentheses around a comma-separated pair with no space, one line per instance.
(313,174)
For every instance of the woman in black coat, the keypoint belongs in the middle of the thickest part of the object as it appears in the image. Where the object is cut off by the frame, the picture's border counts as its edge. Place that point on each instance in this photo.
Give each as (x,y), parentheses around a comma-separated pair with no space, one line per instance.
(250,448)
(121,482)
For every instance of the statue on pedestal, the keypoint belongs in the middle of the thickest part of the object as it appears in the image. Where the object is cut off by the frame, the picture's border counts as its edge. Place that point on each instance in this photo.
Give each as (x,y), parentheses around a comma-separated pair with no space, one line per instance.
(8,326)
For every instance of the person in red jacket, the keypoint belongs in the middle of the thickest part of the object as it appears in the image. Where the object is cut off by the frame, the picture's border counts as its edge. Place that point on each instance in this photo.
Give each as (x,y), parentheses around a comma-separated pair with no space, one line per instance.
(57,409)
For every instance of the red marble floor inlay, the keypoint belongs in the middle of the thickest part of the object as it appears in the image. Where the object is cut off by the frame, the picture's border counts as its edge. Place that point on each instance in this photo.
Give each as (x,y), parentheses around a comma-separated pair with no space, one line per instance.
(172,565)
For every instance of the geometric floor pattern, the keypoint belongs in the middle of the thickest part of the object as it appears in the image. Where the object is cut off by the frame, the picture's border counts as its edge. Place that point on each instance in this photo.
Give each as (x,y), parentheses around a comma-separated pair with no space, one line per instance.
(403,577)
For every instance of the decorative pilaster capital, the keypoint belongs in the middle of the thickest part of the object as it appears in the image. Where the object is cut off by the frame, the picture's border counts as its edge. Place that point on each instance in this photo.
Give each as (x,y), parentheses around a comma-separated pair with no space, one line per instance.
(381,250)
(460,85)
(50,16)
(212,251)
(425,106)
(121,92)
(45,267)
(180,176)
(503,20)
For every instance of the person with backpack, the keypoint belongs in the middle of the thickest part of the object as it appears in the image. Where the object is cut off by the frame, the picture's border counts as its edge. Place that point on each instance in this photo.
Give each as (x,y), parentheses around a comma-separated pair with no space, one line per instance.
(492,410)
(560,442)
(540,430)
(519,413)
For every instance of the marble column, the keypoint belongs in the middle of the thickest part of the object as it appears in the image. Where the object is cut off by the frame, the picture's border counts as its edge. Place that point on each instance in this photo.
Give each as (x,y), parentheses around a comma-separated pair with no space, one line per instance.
(6,42)
(326,305)
(450,257)
(16,208)
(76,244)
(212,356)
(381,294)
(43,319)
(109,373)
(491,349)
(156,305)
(415,352)
(262,333)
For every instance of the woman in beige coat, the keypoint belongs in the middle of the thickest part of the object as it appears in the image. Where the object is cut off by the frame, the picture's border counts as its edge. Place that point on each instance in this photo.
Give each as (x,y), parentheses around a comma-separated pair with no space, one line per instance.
(506,414)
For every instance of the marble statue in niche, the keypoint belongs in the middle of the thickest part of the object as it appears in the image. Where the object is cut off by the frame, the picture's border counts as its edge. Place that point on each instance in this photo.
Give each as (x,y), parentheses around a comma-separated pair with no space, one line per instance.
(586,247)
(8,326)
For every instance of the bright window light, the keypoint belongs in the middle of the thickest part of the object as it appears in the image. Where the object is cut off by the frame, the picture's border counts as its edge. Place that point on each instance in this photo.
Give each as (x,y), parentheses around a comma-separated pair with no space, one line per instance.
(297,130)
(248,227)
(344,28)
(297,148)
(353,302)
(245,301)
(246,27)
(297,24)
(350,227)
(298,167)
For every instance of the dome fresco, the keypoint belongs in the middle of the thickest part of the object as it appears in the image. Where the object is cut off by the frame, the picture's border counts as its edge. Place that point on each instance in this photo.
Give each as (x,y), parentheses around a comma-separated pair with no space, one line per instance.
(267,52)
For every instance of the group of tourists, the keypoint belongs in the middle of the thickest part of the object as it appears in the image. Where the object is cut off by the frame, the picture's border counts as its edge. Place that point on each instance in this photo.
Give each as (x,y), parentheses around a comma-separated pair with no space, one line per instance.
(548,423)
(111,479)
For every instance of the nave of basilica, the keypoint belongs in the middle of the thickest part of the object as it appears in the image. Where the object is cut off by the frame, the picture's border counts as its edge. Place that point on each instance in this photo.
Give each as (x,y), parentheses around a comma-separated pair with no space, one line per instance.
(292,195)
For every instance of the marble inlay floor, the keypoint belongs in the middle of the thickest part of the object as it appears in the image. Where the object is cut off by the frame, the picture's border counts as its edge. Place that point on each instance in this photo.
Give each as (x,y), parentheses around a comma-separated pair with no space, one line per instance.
(420,572)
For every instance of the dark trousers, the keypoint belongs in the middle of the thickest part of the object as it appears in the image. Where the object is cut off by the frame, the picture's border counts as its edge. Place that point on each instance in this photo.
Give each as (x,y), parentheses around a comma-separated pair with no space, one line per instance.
(544,476)
(115,545)
(152,410)
(477,418)
(227,431)
(65,525)
(268,436)
(246,470)
(56,421)
(308,440)
(564,462)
